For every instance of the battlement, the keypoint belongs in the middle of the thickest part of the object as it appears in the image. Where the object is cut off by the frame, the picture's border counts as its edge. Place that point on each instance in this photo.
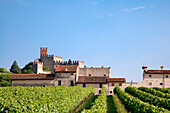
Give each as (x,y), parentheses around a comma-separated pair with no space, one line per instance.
(43,51)
(46,55)
(69,62)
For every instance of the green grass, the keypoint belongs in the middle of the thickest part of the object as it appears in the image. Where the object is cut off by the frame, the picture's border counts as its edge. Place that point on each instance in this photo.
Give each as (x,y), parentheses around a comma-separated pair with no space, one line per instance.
(111,108)
(119,106)
(88,104)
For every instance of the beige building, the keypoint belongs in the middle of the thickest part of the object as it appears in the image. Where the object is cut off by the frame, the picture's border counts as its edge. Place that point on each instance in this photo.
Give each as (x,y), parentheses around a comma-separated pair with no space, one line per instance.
(153,78)
(66,73)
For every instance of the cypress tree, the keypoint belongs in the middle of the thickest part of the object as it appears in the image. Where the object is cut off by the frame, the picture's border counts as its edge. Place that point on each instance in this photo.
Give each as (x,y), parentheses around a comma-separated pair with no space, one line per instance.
(15,68)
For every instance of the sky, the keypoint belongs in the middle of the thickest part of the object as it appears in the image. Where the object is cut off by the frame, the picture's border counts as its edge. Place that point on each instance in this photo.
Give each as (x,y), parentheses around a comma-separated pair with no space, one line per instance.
(121,34)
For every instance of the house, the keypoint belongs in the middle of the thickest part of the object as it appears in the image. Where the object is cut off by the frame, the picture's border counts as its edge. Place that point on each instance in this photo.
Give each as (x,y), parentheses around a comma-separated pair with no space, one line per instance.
(66,73)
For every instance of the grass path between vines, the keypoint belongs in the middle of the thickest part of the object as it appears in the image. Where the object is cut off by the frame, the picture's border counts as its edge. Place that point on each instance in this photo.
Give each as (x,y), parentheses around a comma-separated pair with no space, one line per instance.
(111,108)
(88,104)
(119,106)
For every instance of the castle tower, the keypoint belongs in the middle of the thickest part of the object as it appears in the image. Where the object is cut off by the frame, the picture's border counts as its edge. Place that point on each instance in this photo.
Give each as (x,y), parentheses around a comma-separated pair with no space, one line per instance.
(43,51)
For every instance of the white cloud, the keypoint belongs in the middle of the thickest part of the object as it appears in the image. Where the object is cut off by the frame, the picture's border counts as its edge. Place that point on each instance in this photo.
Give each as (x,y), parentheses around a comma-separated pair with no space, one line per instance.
(133,9)
(94,3)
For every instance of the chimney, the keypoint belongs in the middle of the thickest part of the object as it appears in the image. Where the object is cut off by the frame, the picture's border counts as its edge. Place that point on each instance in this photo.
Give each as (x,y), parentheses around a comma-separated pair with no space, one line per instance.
(65,68)
(144,68)
(162,67)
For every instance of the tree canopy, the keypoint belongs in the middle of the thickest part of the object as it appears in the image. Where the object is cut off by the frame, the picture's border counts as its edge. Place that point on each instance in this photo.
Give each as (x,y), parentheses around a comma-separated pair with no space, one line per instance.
(28,68)
(15,68)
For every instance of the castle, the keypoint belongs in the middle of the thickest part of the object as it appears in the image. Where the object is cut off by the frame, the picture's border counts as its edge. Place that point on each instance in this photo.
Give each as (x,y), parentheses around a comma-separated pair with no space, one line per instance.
(74,73)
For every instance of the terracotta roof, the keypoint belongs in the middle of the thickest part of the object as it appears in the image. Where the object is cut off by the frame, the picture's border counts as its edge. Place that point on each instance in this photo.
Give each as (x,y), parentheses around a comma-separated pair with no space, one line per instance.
(157,71)
(66,68)
(32,77)
(90,79)
(116,80)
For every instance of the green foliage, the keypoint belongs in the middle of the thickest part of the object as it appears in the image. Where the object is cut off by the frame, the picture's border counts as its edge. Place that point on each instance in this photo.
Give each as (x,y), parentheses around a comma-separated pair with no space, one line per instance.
(155,92)
(15,68)
(42,99)
(147,97)
(164,90)
(28,68)
(135,105)
(100,105)
(4,70)
(46,68)
(5,79)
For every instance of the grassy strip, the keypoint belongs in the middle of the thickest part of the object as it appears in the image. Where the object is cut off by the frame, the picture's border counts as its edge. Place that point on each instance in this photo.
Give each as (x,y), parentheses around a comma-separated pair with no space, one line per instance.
(111,108)
(119,106)
(88,104)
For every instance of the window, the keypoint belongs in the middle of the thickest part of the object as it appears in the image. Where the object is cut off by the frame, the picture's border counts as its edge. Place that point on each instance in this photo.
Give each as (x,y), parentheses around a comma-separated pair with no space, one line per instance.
(89,74)
(104,74)
(161,83)
(110,91)
(113,84)
(120,84)
(100,85)
(59,82)
(166,76)
(99,91)
(150,75)
(150,83)
(72,84)
(84,85)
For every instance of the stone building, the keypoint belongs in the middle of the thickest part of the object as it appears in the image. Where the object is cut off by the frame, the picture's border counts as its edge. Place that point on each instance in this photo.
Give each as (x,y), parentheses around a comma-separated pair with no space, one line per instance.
(66,73)
(153,78)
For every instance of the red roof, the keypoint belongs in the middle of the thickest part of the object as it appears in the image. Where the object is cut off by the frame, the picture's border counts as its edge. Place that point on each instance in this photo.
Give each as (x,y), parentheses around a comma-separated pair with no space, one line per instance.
(90,79)
(66,68)
(116,80)
(157,71)
(32,77)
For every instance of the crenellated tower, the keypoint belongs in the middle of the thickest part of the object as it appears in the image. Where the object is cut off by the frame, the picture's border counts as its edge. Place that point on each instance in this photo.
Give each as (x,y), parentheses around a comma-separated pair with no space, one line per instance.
(43,51)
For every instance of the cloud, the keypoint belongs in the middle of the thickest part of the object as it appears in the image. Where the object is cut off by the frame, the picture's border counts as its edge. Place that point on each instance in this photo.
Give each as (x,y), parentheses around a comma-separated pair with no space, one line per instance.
(94,3)
(100,16)
(133,9)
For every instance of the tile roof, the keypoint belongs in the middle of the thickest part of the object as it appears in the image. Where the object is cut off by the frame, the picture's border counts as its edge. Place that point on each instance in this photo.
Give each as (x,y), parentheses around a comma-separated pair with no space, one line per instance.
(66,68)
(32,77)
(157,71)
(116,80)
(90,79)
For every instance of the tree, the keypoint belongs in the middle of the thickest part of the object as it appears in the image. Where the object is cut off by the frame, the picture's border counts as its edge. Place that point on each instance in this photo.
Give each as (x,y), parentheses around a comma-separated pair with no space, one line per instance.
(28,68)
(46,68)
(69,62)
(15,68)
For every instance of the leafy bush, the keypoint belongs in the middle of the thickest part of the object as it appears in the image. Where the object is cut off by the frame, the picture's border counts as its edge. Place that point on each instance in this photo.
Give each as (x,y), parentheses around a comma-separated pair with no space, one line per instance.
(42,99)
(147,97)
(164,90)
(135,105)
(99,106)
(5,79)
(155,92)
(46,68)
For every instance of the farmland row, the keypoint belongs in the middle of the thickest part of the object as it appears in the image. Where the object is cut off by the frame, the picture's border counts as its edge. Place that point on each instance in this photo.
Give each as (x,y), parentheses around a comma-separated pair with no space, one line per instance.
(147,97)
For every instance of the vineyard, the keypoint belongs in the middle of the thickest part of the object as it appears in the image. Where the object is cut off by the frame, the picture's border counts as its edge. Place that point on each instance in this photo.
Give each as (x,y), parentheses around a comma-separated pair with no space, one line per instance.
(82,100)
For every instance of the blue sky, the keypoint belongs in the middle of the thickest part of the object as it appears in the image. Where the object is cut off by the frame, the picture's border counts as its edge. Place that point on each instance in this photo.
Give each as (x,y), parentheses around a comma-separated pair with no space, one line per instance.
(122,34)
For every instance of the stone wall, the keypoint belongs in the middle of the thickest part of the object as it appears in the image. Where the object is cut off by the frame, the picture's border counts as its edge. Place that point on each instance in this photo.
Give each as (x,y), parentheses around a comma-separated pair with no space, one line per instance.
(100,72)
(48,61)
(65,79)
(32,82)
